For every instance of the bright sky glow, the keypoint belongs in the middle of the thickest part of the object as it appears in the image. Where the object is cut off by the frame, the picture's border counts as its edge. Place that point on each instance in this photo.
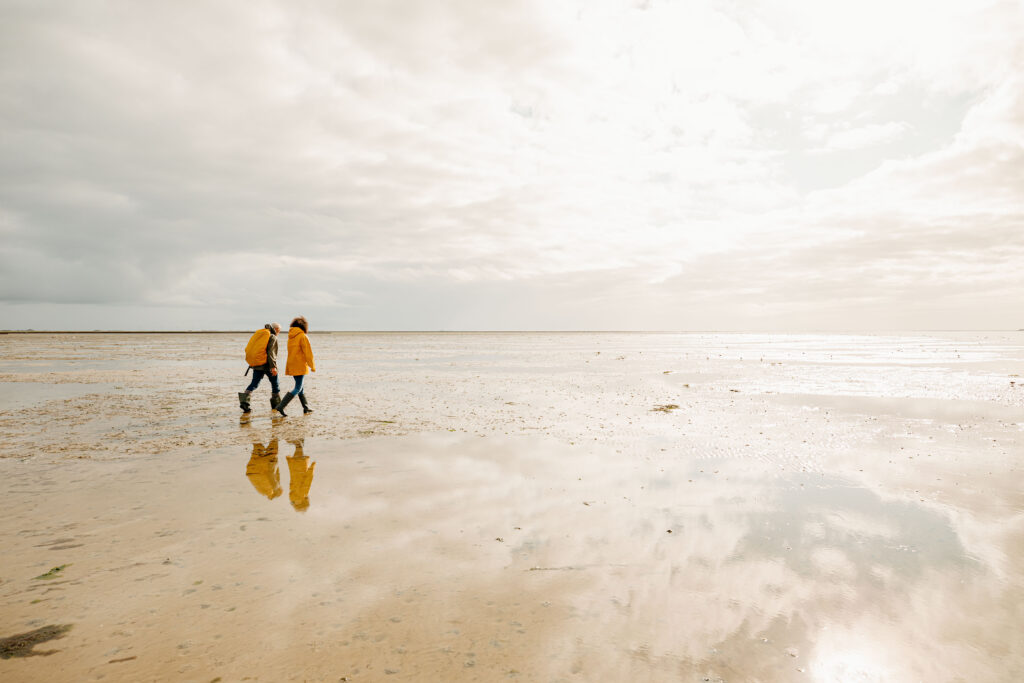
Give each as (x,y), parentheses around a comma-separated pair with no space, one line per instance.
(787,165)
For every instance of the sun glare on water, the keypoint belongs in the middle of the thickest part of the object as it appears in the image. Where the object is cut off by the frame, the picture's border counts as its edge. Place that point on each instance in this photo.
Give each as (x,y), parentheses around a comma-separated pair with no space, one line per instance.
(850,665)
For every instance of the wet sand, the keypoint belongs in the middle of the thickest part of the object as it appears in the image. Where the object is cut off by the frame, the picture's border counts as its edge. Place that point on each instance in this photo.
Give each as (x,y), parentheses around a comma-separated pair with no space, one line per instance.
(485,507)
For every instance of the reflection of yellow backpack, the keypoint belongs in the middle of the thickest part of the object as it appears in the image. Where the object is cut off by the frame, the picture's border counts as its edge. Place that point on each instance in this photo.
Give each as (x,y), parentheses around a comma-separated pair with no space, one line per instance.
(262,470)
(256,349)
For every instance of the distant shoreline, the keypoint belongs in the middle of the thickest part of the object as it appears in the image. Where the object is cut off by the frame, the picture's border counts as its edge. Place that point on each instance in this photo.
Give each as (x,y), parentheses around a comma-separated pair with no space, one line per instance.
(848,332)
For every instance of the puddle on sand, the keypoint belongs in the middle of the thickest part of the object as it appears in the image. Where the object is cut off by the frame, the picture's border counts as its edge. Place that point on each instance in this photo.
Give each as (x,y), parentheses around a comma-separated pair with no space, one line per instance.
(20,395)
(455,558)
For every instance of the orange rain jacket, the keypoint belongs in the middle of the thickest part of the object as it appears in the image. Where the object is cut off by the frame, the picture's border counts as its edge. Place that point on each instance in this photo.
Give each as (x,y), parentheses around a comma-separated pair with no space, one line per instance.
(299,353)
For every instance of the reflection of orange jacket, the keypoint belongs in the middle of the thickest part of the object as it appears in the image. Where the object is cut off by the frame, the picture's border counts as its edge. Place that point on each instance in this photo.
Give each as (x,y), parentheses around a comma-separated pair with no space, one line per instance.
(262,470)
(299,353)
(300,473)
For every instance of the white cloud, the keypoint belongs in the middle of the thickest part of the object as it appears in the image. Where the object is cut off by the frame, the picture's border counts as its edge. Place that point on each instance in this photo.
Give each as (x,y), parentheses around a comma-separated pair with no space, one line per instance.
(866,136)
(176,154)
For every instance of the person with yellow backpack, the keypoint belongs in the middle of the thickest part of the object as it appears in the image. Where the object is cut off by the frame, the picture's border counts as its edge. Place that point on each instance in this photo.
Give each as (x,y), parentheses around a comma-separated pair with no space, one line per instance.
(261,355)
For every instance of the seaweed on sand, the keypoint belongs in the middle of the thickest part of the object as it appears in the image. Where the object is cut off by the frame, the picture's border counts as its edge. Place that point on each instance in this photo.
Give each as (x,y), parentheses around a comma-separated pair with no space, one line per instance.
(22,645)
(53,572)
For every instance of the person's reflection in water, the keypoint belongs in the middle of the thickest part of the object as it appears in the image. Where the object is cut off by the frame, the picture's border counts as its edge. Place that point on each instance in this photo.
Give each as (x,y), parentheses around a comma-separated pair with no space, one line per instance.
(262,470)
(300,472)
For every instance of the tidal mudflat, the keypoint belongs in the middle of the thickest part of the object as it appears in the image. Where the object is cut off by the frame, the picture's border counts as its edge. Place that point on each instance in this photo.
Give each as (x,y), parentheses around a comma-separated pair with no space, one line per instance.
(522,506)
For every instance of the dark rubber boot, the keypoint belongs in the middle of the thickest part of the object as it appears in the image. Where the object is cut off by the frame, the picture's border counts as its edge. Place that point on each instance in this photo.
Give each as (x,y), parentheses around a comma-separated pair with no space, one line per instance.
(306,410)
(285,401)
(274,400)
(243,401)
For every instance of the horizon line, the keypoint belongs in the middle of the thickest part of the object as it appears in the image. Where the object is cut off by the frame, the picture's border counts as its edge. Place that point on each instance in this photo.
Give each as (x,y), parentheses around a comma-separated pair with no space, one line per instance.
(538,331)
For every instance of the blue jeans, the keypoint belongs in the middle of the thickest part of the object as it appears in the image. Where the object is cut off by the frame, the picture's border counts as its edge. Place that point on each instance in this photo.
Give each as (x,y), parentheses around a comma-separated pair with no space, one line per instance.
(298,385)
(258,375)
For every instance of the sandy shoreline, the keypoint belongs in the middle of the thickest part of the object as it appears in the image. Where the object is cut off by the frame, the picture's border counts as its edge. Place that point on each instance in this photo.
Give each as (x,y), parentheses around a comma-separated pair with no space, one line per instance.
(109,396)
(488,507)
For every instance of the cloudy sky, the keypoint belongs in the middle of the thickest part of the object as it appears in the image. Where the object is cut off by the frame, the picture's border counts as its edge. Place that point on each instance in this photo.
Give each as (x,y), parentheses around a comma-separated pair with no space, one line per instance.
(458,164)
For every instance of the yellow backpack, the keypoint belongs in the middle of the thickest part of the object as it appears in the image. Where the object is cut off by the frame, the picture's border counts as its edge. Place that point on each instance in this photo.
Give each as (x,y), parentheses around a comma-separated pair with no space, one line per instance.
(256,349)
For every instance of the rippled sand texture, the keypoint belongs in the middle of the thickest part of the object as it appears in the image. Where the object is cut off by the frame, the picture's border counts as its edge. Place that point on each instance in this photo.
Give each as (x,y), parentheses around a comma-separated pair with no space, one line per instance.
(490,507)
(106,396)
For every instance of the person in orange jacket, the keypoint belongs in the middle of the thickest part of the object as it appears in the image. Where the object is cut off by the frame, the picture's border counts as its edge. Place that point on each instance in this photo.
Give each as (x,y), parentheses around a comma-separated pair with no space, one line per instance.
(300,357)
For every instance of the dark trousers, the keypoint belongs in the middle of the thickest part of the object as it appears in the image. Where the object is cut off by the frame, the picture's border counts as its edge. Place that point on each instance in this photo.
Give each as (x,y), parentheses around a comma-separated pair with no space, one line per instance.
(258,375)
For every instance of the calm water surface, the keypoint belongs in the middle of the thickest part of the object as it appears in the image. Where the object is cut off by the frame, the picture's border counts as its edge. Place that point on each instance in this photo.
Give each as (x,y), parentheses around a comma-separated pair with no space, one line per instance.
(467,558)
